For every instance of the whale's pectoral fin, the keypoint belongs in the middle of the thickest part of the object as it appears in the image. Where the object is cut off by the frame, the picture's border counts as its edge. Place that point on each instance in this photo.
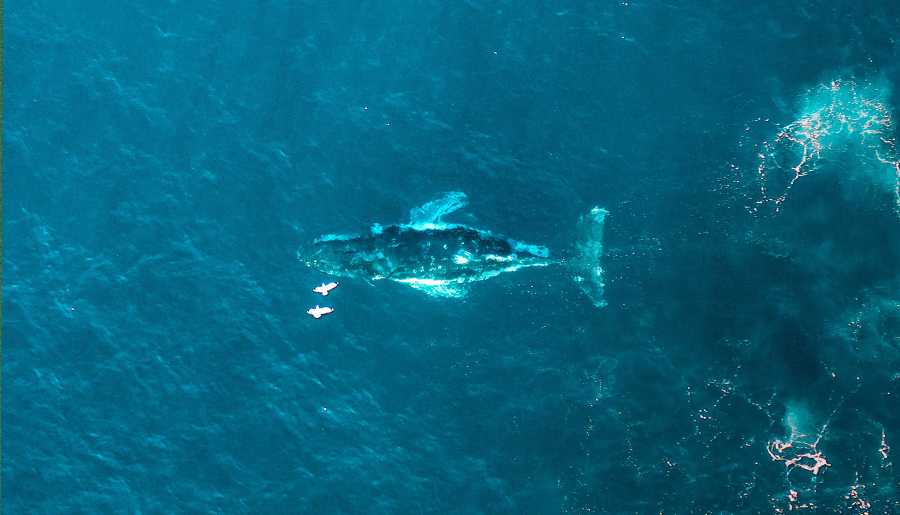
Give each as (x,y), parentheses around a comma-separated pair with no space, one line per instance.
(588,249)
(432,212)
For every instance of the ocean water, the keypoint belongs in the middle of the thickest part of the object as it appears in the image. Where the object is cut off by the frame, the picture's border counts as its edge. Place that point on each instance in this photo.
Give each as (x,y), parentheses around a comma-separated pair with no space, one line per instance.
(165,160)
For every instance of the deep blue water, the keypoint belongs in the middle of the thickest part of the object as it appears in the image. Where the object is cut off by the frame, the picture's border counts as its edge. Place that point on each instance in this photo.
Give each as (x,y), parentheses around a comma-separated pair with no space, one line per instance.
(165,160)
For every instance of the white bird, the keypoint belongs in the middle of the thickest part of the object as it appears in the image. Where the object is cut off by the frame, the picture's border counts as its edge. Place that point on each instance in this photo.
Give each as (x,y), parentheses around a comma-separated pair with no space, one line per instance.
(317,312)
(325,288)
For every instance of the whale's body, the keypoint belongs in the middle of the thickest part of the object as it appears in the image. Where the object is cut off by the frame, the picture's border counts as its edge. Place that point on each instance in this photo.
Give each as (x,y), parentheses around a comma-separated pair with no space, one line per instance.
(437,258)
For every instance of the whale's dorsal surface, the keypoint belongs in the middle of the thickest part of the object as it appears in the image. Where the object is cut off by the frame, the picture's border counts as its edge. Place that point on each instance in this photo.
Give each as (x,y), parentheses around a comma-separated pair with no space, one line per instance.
(434,211)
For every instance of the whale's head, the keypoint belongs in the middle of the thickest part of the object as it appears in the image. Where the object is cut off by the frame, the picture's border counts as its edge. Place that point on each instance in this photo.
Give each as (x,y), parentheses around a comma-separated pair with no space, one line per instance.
(330,256)
(344,256)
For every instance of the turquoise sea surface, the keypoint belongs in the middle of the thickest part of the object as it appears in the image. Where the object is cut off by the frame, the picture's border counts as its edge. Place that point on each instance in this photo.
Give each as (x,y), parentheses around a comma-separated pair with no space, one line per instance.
(165,160)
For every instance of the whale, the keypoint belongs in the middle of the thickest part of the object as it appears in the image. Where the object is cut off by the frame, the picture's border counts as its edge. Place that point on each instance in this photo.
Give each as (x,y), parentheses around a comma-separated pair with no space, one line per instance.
(445,259)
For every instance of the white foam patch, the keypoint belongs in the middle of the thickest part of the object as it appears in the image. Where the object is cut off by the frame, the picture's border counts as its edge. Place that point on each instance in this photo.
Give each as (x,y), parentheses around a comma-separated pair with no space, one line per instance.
(430,226)
(334,237)
(437,287)
(462,258)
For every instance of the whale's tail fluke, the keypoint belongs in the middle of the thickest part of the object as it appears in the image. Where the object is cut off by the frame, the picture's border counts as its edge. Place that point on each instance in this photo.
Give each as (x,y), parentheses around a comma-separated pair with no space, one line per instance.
(585,261)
